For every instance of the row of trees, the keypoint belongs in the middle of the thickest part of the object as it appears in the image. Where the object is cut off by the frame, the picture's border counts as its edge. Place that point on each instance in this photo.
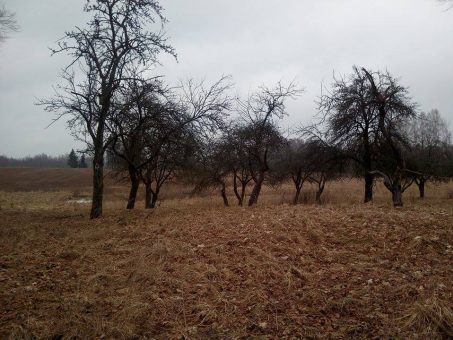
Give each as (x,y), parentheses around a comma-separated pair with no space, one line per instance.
(367,124)
(367,127)
(45,161)
(187,133)
(37,161)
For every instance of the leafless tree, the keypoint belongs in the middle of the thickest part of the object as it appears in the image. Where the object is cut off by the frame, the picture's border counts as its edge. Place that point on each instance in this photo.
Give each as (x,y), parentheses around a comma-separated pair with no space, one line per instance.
(238,161)
(116,45)
(326,164)
(393,107)
(202,110)
(139,111)
(219,158)
(260,112)
(8,23)
(210,167)
(293,162)
(156,127)
(165,165)
(429,155)
(364,115)
(352,122)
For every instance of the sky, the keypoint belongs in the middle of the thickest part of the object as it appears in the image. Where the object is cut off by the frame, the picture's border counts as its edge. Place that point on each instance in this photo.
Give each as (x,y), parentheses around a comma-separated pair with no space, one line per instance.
(257,42)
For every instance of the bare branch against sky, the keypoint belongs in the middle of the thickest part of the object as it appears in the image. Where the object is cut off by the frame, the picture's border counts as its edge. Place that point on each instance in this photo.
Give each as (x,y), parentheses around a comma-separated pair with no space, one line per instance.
(8,23)
(449,3)
(446,1)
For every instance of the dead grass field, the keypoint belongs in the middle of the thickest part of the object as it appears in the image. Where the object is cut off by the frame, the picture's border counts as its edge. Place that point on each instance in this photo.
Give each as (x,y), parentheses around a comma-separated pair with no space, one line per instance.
(193,269)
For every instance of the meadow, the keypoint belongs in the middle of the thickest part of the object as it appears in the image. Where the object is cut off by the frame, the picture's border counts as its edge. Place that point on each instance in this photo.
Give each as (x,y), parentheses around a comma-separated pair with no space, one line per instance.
(193,269)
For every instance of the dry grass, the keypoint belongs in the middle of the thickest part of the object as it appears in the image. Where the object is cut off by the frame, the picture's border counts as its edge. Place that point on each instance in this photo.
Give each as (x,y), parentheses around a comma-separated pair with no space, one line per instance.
(432,319)
(194,269)
(33,179)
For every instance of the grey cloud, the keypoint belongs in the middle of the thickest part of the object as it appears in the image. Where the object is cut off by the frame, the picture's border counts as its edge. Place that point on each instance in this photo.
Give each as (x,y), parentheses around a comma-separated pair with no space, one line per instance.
(255,41)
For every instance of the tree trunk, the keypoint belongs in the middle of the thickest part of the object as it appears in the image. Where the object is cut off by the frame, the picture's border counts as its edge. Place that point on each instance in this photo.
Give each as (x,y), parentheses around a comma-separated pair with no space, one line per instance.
(421,188)
(296,196)
(98,184)
(319,192)
(368,187)
(148,195)
(318,197)
(397,196)
(135,182)
(297,180)
(235,189)
(224,196)
(155,195)
(256,190)
(243,190)
(397,191)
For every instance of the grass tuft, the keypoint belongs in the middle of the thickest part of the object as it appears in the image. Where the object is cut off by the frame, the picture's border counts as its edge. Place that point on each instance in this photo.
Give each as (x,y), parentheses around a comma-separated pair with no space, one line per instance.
(431,319)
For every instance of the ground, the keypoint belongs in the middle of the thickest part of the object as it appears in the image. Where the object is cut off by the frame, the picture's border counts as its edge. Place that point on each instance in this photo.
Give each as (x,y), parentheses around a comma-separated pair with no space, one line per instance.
(194,269)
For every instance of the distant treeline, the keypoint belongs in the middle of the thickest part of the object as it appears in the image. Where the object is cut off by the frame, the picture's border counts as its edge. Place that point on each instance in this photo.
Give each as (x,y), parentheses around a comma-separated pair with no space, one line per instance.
(37,161)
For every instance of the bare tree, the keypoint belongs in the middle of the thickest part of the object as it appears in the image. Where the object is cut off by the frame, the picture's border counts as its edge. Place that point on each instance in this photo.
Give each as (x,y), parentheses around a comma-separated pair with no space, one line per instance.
(293,162)
(165,166)
(429,154)
(352,122)
(325,162)
(138,113)
(8,23)
(396,180)
(260,112)
(115,46)
(364,115)
(210,168)
(219,158)
(156,128)
(393,107)
(238,161)
(201,112)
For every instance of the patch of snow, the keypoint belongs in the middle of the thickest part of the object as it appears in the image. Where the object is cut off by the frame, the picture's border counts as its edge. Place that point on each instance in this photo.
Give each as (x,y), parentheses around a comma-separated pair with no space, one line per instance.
(80,201)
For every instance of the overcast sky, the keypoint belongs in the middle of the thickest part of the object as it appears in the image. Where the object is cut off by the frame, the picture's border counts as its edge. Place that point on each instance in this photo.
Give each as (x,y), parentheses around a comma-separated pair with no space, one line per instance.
(255,41)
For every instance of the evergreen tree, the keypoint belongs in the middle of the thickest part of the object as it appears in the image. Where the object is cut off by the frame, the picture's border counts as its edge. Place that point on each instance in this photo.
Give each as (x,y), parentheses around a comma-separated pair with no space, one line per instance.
(83,163)
(73,160)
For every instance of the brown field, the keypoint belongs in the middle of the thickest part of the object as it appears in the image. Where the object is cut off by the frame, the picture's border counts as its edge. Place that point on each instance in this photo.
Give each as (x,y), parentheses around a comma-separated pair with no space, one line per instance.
(192,269)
